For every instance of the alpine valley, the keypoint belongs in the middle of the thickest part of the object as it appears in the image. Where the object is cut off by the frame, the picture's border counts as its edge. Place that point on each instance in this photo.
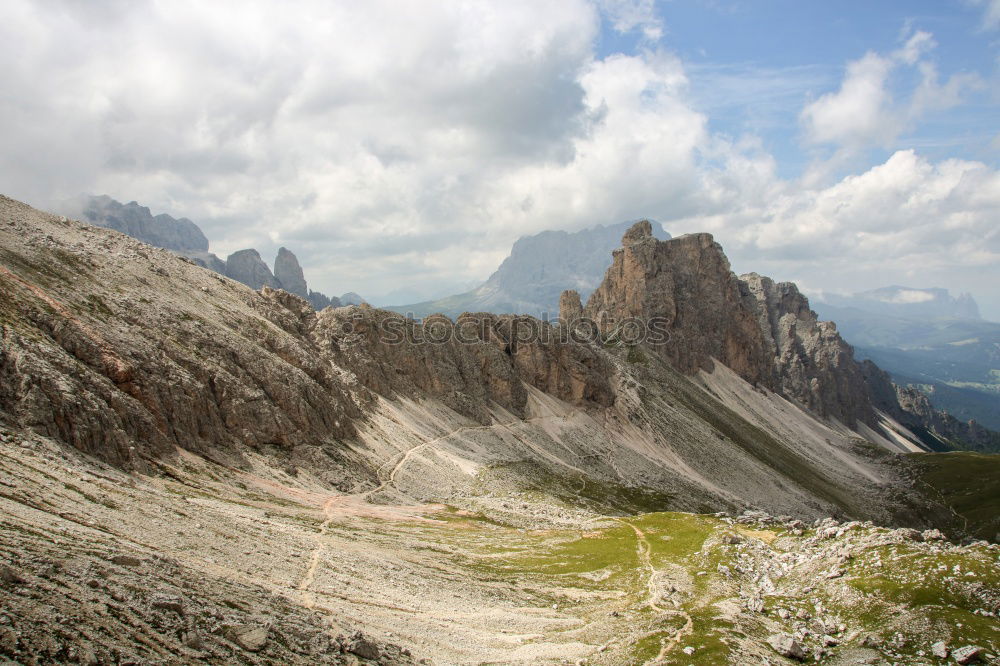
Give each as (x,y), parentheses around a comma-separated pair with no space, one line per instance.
(205,461)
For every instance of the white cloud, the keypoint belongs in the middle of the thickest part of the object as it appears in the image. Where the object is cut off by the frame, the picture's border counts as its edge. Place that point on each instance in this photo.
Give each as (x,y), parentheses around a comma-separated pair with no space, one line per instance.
(991,13)
(863,113)
(628,15)
(396,144)
(860,112)
(910,296)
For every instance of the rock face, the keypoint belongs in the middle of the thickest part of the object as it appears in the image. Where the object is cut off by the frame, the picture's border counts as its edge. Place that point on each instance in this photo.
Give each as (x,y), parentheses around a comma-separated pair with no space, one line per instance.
(86,357)
(320,301)
(181,235)
(469,364)
(684,285)
(289,274)
(570,307)
(810,360)
(247,267)
(762,330)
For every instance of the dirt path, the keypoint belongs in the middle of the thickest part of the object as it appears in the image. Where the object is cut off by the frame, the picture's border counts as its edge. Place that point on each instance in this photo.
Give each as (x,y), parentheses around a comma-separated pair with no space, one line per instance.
(308,599)
(643,550)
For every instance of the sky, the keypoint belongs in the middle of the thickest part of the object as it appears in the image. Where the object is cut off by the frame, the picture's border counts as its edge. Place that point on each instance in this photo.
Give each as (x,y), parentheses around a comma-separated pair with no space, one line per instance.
(400,148)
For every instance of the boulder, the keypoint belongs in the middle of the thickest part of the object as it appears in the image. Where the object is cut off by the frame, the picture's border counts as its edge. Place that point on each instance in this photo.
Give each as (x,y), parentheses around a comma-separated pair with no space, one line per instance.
(786,646)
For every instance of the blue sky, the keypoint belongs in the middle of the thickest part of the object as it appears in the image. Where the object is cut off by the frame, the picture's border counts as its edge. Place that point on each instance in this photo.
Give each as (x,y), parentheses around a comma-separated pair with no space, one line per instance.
(753,66)
(399,148)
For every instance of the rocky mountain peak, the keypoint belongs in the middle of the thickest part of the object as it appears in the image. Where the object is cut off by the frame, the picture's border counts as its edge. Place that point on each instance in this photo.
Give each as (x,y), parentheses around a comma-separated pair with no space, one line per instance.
(247,267)
(289,273)
(763,330)
(637,233)
(684,284)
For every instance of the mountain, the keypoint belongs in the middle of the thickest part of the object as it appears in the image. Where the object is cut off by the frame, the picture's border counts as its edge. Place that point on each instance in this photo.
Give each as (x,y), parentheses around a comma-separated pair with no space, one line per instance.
(939,345)
(181,235)
(539,268)
(193,470)
(186,239)
(909,302)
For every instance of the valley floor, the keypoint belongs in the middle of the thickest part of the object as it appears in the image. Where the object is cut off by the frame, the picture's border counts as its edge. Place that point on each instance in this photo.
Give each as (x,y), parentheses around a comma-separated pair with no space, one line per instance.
(203,563)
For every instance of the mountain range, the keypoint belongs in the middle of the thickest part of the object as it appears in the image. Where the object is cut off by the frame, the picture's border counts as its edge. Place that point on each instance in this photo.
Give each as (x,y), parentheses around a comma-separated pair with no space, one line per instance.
(687,466)
(185,238)
(927,339)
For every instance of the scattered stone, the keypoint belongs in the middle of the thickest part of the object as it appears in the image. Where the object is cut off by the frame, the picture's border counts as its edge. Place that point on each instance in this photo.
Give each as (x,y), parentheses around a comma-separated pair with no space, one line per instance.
(940,650)
(126,560)
(688,650)
(933,535)
(968,654)
(830,641)
(362,647)
(732,539)
(168,603)
(786,646)
(250,638)
(871,641)
(10,575)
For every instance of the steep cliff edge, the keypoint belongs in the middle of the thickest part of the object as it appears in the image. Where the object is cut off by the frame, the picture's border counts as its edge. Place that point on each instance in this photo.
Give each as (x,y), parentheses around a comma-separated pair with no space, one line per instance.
(763,331)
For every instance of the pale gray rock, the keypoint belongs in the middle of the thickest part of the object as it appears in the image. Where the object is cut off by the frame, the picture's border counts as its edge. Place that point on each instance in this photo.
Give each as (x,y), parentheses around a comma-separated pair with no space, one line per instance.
(247,267)
(181,235)
(968,654)
(351,298)
(289,274)
(786,646)
(940,650)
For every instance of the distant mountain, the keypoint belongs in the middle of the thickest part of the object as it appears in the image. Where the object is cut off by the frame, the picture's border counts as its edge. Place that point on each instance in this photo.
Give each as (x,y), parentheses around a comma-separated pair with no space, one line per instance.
(927,339)
(909,302)
(186,239)
(181,235)
(538,270)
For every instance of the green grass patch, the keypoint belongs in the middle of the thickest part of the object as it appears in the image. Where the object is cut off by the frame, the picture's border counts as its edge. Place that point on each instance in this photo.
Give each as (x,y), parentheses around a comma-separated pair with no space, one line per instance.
(968,483)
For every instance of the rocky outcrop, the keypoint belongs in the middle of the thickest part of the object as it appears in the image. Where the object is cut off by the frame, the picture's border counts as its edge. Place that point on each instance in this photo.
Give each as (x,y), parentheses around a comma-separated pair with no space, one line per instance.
(181,235)
(289,274)
(762,330)
(811,362)
(320,301)
(247,267)
(570,307)
(472,364)
(685,287)
(87,357)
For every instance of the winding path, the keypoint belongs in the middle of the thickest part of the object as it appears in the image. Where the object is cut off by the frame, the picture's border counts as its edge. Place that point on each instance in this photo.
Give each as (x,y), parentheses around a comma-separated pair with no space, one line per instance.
(643,550)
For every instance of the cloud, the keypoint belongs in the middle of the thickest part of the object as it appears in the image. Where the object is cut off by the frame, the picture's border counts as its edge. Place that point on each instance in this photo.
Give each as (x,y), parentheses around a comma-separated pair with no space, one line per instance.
(407,144)
(864,113)
(628,15)
(910,296)
(991,13)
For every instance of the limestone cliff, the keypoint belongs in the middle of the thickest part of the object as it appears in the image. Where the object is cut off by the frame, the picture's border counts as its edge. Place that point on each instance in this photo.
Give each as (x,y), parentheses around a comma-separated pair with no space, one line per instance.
(685,285)
(762,330)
